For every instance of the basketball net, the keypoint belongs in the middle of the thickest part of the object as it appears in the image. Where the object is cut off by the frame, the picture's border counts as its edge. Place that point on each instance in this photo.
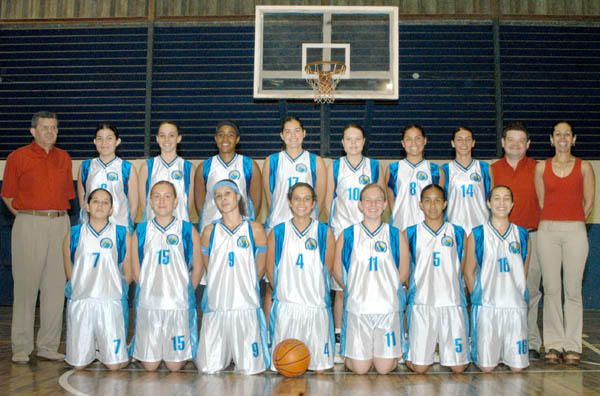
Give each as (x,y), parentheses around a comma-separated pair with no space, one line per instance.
(328,76)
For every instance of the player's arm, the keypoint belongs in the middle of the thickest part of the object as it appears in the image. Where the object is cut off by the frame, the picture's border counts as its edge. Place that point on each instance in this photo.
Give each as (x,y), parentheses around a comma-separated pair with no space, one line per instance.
(256,188)
(199,188)
(270,265)
(491,177)
(80,189)
(197,267)
(329,193)
(191,200)
(538,180)
(589,187)
(390,194)
(205,244)
(404,267)
(8,203)
(265,179)
(67,255)
(143,177)
(321,187)
(260,241)
(470,264)
(134,259)
(330,251)
(127,260)
(337,261)
(526,265)
(442,179)
(381,181)
(133,193)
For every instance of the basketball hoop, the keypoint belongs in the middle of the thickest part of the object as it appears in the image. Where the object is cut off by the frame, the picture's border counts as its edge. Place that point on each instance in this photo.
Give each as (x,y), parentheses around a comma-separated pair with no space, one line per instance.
(329,73)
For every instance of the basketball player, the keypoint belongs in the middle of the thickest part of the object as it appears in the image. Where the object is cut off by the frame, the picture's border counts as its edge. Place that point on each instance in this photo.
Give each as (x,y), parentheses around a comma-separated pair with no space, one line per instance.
(111,173)
(96,258)
(299,261)
(233,323)
(284,169)
(436,312)
(227,165)
(406,178)
(170,167)
(495,271)
(467,182)
(167,266)
(372,262)
(346,177)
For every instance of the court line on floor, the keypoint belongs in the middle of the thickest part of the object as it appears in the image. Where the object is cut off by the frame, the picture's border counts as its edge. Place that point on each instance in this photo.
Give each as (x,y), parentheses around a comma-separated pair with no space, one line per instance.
(64,382)
(588,345)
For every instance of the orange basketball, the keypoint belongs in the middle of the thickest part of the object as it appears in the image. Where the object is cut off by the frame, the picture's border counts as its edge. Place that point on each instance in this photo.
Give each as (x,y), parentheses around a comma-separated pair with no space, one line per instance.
(291,357)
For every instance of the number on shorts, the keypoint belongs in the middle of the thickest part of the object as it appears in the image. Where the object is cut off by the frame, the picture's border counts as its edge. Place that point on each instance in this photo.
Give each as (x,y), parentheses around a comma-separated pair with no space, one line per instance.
(300,261)
(522,347)
(230,259)
(458,345)
(373,263)
(292,180)
(178,343)
(163,256)
(503,264)
(255,349)
(436,259)
(96,258)
(118,346)
(353,194)
(413,188)
(467,189)
(326,349)
(391,339)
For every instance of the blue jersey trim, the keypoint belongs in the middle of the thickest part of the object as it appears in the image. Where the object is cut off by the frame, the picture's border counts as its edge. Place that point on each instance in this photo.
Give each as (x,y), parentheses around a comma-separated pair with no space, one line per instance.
(126,172)
(393,169)
(187,175)
(374,170)
(121,234)
(435,173)
(485,174)
(141,235)
(149,165)
(395,245)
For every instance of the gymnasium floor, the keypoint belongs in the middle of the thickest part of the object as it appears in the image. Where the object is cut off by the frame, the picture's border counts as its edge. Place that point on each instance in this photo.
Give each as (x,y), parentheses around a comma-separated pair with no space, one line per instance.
(42,377)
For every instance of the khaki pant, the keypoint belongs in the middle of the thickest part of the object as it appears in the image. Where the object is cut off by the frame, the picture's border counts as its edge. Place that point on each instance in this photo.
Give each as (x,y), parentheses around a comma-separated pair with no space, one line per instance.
(37,264)
(534,276)
(562,244)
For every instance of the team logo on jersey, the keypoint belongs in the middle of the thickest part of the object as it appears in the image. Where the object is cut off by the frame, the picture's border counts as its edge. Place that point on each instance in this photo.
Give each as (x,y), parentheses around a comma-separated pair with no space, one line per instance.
(380,247)
(301,168)
(106,243)
(311,244)
(243,242)
(447,241)
(475,177)
(177,175)
(172,239)
(112,176)
(364,180)
(422,176)
(515,247)
(234,175)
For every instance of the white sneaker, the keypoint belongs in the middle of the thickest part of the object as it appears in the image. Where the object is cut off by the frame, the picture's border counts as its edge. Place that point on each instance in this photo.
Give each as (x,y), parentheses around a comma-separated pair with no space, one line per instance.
(401,360)
(50,355)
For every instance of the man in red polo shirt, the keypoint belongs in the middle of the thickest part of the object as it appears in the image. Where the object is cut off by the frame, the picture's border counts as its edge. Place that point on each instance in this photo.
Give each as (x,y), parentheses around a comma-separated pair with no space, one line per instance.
(37,187)
(516,171)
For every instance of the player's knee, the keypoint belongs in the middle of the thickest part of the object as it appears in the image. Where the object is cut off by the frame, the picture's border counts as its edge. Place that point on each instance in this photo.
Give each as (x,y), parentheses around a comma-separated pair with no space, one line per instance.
(459,369)
(385,366)
(358,367)
(419,369)
(151,366)
(174,366)
(113,367)
(487,369)
(79,368)
(516,370)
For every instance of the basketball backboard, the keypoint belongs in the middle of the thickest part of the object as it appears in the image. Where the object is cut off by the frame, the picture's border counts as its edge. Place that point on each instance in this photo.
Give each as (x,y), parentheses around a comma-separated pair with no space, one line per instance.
(365,39)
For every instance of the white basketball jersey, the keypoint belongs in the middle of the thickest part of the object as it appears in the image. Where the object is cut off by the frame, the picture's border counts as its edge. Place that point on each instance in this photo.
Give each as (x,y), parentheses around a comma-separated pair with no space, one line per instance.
(348,183)
(231,276)
(166,257)
(97,260)
(113,177)
(178,172)
(435,265)
(500,278)
(467,190)
(406,181)
(370,264)
(239,169)
(284,172)
(300,275)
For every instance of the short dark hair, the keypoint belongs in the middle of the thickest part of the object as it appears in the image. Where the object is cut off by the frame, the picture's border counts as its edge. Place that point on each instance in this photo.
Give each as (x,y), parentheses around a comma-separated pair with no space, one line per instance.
(512,197)
(89,199)
(413,125)
(42,114)
(302,184)
(435,187)
(563,122)
(515,126)
(353,125)
(291,118)
(106,125)
(464,128)
(171,123)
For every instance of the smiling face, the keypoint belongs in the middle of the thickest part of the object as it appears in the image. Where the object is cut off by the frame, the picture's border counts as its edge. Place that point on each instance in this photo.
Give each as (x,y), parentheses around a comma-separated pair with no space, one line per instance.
(45,132)
(563,137)
(463,142)
(353,141)
(292,135)
(167,138)
(302,202)
(163,199)
(226,139)
(433,203)
(106,142)
(515,144)
(372,202)
(227,200)
(414,142)
(99,205)
(500,202)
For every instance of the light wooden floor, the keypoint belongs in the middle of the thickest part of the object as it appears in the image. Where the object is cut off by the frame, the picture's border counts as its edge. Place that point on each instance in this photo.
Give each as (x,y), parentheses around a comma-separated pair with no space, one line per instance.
(41,377)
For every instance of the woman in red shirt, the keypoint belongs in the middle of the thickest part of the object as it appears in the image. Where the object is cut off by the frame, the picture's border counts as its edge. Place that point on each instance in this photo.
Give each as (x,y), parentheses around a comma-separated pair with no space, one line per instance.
(565,187)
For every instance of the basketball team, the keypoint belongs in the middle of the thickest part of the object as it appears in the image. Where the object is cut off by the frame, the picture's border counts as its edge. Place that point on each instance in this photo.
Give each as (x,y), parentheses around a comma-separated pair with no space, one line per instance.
(454,277)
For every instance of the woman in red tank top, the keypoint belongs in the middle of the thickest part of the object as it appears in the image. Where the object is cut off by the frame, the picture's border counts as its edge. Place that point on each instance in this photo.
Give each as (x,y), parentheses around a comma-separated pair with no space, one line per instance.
(565,187)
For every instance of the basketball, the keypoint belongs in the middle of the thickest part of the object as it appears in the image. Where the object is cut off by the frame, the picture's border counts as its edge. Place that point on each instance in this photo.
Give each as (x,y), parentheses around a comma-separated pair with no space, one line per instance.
(291,357)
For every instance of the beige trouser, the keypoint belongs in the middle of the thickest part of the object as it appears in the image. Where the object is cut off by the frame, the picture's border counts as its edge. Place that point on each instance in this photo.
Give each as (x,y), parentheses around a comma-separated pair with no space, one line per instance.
(37,264)
(562,244)
(534,276)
